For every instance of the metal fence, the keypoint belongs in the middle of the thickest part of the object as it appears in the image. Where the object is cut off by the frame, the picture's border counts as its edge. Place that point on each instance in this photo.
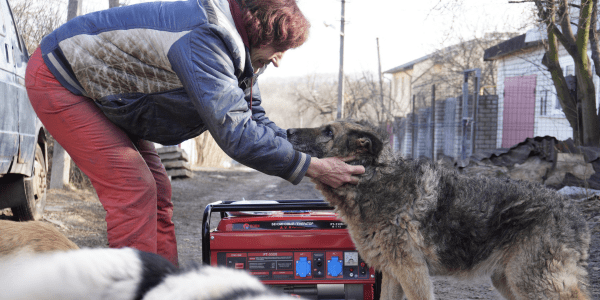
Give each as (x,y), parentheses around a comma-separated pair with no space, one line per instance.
(440,129)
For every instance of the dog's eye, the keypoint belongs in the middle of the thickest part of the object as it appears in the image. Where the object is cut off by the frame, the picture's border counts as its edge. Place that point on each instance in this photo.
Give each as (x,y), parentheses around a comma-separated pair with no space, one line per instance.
(328,132)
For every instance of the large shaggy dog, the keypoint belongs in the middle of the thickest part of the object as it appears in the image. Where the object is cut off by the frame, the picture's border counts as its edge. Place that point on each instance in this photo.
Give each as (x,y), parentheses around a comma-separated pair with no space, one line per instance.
(122,274)
(412,219)
(31,237)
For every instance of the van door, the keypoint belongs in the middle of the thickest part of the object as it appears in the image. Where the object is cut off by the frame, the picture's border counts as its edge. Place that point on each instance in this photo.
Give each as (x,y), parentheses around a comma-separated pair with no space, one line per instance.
(9,102)
(27,116)
(18,131)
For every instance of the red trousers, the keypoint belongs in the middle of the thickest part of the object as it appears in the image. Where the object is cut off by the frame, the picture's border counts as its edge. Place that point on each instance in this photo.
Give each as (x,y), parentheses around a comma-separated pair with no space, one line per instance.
(130,180)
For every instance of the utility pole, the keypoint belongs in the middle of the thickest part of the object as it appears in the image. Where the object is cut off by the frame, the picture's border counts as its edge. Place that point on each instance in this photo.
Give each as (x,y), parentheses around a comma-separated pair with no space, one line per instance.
(73,9)
(113,3)
(340,108)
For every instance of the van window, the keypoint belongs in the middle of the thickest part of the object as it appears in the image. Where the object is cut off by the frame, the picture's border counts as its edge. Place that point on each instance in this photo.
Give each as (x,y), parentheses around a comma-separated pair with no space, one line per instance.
(14,27)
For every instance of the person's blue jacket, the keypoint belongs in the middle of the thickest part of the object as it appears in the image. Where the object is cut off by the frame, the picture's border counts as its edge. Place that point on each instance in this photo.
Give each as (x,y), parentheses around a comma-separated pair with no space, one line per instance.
(168,71)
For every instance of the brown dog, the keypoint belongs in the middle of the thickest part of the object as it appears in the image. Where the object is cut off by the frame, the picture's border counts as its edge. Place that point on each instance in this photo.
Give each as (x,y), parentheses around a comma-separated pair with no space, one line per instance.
(31,237)
(412,219)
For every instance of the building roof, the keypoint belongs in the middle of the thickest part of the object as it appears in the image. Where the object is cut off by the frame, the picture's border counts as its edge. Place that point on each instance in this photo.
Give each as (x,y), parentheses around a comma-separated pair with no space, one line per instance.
(524,41)
(407,66)
(437,55)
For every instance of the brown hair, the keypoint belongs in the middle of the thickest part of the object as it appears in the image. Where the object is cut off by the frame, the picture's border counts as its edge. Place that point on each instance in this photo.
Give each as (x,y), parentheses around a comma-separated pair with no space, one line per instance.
(277,23)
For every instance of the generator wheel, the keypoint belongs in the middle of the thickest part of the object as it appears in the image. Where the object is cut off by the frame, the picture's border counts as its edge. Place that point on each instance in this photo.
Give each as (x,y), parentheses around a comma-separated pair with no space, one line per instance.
(35,189)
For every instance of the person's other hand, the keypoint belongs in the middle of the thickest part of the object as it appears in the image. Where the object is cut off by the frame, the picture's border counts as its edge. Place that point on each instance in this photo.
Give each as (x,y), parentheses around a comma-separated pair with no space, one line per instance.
(333,171)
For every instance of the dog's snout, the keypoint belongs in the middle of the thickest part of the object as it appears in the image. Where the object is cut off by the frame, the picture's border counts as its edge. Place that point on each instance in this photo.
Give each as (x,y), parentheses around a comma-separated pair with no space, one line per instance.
(291,132)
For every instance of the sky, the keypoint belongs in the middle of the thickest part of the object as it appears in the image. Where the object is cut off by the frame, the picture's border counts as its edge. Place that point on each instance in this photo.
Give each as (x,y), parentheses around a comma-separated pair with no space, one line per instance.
(406,31)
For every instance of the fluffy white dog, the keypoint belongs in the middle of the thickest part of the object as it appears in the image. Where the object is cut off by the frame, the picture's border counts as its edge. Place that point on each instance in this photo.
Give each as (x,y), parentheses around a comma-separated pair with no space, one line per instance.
(122,274)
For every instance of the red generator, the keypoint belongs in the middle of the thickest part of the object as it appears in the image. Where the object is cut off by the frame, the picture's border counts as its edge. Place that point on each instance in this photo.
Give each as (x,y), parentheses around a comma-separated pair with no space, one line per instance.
(298,247)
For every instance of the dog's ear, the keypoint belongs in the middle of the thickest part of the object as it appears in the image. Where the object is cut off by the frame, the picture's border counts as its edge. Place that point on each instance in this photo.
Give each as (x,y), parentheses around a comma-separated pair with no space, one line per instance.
(367,142)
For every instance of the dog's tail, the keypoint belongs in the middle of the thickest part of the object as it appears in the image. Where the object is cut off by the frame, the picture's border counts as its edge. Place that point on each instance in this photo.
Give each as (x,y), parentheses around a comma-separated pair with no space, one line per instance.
(575,292)
(571,282)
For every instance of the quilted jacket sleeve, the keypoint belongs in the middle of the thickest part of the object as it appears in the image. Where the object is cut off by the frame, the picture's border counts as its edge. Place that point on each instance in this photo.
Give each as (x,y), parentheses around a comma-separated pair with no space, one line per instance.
(203,61)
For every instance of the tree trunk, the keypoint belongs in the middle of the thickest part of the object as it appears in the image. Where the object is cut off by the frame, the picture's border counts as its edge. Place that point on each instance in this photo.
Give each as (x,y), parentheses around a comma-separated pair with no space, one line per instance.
(580,111)
(585,81)
(567,102)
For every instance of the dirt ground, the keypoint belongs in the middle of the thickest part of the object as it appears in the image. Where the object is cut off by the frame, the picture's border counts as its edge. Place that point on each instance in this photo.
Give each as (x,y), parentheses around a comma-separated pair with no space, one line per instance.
(79,215)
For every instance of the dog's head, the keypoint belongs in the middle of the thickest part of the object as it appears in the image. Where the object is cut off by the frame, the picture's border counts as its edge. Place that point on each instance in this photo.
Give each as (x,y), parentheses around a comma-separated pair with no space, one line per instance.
(340,138)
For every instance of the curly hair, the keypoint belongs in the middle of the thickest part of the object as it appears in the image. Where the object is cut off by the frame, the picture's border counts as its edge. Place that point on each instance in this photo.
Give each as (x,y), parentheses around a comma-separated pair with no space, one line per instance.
(277,23)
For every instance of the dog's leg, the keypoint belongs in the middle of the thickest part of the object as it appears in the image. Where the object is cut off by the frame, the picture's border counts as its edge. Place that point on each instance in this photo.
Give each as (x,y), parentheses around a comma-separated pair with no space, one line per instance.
(390,288)
(501,284)
(414,279)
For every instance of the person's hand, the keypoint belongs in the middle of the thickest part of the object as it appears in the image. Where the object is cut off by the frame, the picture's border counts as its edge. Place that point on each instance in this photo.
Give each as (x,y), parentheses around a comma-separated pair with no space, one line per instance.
(333,171)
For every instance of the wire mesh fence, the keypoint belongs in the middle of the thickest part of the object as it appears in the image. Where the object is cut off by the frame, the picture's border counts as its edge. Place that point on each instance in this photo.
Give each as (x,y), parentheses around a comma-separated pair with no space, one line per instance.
(437,128)
(441,124)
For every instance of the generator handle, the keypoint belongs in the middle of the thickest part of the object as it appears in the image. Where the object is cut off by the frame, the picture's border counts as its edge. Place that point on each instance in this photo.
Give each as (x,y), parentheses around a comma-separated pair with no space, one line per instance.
(229,206)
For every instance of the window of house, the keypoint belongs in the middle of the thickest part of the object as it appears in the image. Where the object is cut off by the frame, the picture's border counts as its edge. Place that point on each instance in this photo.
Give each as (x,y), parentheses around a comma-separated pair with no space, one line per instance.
(569,70)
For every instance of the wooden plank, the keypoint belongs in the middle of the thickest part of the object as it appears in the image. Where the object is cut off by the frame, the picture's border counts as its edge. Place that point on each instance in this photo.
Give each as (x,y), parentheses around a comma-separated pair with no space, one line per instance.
(168,149)
(176,164)
(175,173)
(174,156)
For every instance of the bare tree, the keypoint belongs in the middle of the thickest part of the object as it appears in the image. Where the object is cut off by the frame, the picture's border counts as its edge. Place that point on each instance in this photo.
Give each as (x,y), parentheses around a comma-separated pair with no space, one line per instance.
(573,24)
(448,64)
(364,99)
(316,96)
(35,20)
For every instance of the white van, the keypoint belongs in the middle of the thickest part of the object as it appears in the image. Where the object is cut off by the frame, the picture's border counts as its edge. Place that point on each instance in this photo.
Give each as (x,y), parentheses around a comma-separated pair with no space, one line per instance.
(23,150)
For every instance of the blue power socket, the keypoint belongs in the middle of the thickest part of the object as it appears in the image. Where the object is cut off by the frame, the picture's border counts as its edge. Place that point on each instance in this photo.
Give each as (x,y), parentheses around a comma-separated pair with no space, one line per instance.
(303,267)
(334,266)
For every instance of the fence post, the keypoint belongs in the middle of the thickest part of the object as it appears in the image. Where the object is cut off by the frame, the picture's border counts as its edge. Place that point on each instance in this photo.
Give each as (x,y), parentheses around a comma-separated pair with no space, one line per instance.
(61,165)
(465,115)
(475,114)
(433,122)
(414,122)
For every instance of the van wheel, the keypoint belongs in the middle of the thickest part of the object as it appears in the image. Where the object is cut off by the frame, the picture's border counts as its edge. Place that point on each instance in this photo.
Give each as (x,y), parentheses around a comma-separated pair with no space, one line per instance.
(35,189)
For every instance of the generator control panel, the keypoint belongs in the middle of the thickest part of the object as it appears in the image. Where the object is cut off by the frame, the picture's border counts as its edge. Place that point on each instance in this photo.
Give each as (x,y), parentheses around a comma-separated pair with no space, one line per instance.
(298,265)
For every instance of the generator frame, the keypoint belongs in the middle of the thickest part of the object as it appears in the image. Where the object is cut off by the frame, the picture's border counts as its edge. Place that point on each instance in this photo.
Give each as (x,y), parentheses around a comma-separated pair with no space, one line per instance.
(326,286)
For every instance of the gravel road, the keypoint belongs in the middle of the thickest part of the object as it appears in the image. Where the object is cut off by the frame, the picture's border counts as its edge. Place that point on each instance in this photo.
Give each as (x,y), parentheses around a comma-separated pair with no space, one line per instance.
(79,215)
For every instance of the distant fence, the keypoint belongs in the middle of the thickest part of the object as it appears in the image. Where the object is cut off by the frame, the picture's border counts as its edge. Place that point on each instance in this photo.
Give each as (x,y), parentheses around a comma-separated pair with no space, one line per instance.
(440,130)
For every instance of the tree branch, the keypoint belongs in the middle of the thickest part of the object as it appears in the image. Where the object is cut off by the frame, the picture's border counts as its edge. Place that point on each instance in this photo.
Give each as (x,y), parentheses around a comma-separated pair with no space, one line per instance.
(565,22)
(595,46)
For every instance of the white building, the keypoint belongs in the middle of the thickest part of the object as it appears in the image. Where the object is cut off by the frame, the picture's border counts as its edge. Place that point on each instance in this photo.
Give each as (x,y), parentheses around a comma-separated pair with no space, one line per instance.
(527,104)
